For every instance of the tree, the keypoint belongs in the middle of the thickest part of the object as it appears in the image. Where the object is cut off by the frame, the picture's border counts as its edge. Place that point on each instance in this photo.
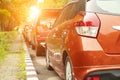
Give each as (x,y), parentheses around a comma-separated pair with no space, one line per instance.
(54,3)
(14,12)
(18,10)
(4,18)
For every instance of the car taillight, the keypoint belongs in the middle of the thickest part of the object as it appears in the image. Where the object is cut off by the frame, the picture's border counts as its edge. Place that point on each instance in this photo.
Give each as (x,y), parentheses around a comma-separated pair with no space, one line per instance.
(93,78)
(86,28)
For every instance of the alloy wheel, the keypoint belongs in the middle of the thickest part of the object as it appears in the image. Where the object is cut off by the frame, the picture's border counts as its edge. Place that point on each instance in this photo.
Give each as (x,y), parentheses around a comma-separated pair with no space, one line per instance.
(69,75)
(48,61)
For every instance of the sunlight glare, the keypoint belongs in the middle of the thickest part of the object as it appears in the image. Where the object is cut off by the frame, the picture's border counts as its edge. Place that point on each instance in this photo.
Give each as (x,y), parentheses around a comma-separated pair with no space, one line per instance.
(34,11)
(40,1)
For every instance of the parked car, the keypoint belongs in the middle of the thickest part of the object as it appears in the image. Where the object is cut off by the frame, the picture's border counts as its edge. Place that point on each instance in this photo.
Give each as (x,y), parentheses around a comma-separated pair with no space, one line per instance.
(26,33)
(84,43)
(41,29)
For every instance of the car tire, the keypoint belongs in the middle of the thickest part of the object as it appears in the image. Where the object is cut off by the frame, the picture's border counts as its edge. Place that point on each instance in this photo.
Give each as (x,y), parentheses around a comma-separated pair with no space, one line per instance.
(48,61)
(40,51)
(68,70)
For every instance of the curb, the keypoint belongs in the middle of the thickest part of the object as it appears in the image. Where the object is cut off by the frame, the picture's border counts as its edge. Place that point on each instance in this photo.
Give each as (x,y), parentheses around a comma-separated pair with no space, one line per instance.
(30,70)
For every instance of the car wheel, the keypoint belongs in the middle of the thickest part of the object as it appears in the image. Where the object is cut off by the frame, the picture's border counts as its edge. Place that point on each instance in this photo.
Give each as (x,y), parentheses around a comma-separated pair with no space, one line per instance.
(48,61)
(68,70)
(40,51)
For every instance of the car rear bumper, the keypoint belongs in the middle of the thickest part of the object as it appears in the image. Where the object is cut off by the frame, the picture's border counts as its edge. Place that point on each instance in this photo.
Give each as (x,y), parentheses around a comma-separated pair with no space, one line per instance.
(105,72)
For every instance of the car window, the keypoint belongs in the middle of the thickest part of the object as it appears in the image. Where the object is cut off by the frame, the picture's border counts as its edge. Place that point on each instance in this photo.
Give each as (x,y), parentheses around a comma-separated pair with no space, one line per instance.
(64,15)
(79,6)
(103,6)
(70,11)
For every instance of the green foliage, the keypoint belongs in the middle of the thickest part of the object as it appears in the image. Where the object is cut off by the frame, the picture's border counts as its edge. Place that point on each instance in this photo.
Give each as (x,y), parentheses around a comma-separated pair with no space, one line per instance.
(2,54)
(5,12)
(22,65)
(5,39)
(4,18)
(22,75)
(54,3)
(15,12)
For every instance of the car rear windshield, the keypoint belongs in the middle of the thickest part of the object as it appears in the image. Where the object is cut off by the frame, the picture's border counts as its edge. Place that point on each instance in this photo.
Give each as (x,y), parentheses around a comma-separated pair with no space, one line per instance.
(103,6)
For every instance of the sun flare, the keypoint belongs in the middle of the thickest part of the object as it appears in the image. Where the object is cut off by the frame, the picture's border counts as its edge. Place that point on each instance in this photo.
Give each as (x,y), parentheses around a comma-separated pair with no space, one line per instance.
(34,11)
(40,1)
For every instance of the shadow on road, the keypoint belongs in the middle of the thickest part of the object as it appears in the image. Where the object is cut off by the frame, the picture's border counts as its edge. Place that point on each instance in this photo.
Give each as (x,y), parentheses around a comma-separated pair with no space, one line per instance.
(41,69)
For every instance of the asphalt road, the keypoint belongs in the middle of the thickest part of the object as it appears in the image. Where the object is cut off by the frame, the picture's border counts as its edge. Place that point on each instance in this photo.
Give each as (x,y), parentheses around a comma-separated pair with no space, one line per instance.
(40,66)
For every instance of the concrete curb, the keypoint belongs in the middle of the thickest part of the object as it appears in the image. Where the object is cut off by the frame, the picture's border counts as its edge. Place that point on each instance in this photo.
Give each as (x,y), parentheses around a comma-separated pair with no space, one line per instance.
(30,70)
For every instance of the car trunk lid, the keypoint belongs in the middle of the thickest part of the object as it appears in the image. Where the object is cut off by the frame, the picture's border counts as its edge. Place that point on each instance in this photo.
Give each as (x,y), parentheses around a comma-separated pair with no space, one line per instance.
(109,33)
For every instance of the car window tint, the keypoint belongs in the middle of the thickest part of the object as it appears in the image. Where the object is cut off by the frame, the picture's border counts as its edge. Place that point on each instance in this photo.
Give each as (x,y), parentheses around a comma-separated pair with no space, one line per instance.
(70,11)
(77,7)
(104,6)
(64,15)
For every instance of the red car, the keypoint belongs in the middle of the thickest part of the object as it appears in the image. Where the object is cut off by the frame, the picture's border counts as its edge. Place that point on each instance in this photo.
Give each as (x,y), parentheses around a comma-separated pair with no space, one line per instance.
(84,43)
(41,29)
(26,32)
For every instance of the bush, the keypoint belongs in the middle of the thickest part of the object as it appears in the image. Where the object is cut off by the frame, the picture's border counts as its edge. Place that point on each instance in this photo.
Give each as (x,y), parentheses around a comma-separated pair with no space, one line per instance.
(5,40)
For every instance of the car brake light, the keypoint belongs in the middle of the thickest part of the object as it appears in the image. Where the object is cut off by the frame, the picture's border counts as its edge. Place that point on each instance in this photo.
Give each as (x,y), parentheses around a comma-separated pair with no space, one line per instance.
(86,28)
(93,78)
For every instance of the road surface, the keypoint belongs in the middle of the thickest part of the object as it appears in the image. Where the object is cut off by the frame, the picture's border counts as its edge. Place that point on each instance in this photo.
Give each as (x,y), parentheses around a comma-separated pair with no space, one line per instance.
(41,69)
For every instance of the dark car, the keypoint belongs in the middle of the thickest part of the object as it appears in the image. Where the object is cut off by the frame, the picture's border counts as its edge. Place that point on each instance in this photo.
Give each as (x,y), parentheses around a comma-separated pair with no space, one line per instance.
(84,43)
